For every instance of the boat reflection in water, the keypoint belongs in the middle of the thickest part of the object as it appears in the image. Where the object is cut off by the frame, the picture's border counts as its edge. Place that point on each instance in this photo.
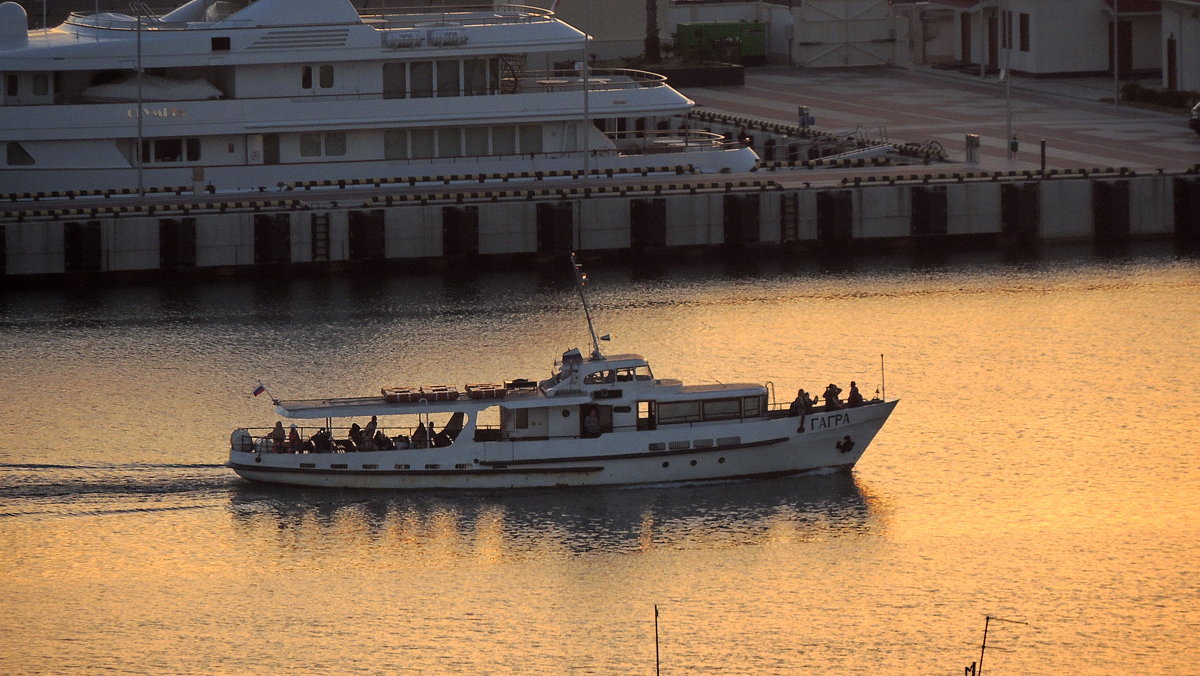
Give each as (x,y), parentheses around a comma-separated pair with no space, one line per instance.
(572,521)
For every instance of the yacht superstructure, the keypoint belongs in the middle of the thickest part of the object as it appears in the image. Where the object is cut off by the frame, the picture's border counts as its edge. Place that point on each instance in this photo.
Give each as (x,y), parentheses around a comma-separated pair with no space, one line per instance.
(226,95)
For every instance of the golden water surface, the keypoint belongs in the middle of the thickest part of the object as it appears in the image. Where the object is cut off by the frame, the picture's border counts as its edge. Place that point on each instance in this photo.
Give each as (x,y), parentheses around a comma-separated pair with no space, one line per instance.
(1040,468)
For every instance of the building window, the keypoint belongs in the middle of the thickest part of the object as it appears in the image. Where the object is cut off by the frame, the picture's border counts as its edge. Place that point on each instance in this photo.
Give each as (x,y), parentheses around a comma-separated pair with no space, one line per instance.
(17,156)
(1024,28)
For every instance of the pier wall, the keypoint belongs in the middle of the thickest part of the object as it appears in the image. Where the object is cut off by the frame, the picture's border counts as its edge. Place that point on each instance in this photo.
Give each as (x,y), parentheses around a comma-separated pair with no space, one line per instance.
(309,229)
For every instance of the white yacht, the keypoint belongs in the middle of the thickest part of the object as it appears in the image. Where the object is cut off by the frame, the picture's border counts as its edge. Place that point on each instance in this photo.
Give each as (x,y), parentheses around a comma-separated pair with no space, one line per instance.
(596,421)
(231,95)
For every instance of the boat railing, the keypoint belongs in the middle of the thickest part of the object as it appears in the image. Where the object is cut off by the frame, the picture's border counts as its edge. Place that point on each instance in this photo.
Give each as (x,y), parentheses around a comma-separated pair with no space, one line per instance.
(454,15)
(597,79)
(399,438)
(397,17)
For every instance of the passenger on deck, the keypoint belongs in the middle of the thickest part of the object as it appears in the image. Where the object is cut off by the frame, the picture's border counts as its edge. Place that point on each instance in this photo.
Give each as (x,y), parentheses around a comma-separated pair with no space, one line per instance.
(855,398)
(355,437)
(802,404)
(591,424)
(432,434)
(382,442)
(277,437)
(321,442)
(369,430)
(293,441)
(831,397)
(420,437)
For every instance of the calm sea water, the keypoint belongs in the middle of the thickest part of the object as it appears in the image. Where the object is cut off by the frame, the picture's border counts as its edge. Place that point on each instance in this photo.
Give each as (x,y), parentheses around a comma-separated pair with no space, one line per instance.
(1040,468)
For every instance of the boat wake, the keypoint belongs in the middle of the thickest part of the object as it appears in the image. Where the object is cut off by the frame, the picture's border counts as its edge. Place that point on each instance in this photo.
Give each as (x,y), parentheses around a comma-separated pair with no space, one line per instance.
(48,490)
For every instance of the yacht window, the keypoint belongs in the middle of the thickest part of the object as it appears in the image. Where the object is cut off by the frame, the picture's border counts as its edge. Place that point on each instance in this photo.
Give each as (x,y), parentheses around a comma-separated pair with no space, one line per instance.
(448,142)
(504,140)
(41,84)
(422,143)
(335,143)
(326,77)
(420,76)
(168,150)
(643,373)
(395,80)
(306,77)
(625,374)
(475,77)
(447,78)
(722,409)
(477,140)
(193,149)
(18,156)
(11,84)
(522,419)
(531,138)
(310,145)
(678,411)
(395,144)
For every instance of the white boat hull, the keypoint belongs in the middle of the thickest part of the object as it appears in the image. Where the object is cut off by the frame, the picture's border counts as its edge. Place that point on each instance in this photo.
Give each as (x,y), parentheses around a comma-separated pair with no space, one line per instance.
(765,447)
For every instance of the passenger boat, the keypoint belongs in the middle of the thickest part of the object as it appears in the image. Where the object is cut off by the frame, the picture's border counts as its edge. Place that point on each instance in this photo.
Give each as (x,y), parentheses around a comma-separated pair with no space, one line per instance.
(598,420)
(226,95)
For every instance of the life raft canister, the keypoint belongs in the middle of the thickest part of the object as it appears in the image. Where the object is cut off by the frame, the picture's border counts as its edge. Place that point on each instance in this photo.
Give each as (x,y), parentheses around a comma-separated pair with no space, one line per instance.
(241,441)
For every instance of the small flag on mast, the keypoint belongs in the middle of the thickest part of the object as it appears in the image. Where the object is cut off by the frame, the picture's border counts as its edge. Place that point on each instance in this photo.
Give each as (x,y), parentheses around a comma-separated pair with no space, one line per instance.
(260,389)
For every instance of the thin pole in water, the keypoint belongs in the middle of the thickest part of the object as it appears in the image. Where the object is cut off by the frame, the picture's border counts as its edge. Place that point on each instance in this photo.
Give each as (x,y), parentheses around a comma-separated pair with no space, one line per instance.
(882,378)
(657,663)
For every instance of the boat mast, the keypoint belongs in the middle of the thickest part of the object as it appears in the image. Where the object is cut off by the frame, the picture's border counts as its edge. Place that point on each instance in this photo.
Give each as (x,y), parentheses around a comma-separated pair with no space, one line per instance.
(580,282)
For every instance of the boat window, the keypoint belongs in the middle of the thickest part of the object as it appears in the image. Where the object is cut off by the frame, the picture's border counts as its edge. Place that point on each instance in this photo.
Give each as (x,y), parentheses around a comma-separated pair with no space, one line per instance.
(310,145)
(449,142)
(422,143)
(751,406)
(395,80)
(11,84)
(168,150)
(335,143)
(193,149)
(326,77)
(476,140)
(643,373)
(504,140)
(531,138)
(475,77)
(395,144)
(678,411)
(306,77)
(18,156)
(600,377)
(722,409)
(447,78)
(41,84)
(420,76)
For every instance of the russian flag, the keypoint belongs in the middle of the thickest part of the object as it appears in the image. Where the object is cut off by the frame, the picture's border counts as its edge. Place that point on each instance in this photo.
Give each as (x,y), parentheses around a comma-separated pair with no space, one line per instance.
(260,389)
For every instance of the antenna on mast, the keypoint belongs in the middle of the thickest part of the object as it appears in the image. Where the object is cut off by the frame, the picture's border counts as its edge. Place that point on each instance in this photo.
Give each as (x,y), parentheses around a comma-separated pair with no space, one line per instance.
(580,282)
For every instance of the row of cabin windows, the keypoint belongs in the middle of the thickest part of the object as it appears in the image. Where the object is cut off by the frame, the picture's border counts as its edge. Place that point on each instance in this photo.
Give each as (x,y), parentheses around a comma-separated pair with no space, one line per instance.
(39,84)
(708,409)
(401,144)
(425,79)
(618,375)
(421,79)
(398,144)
